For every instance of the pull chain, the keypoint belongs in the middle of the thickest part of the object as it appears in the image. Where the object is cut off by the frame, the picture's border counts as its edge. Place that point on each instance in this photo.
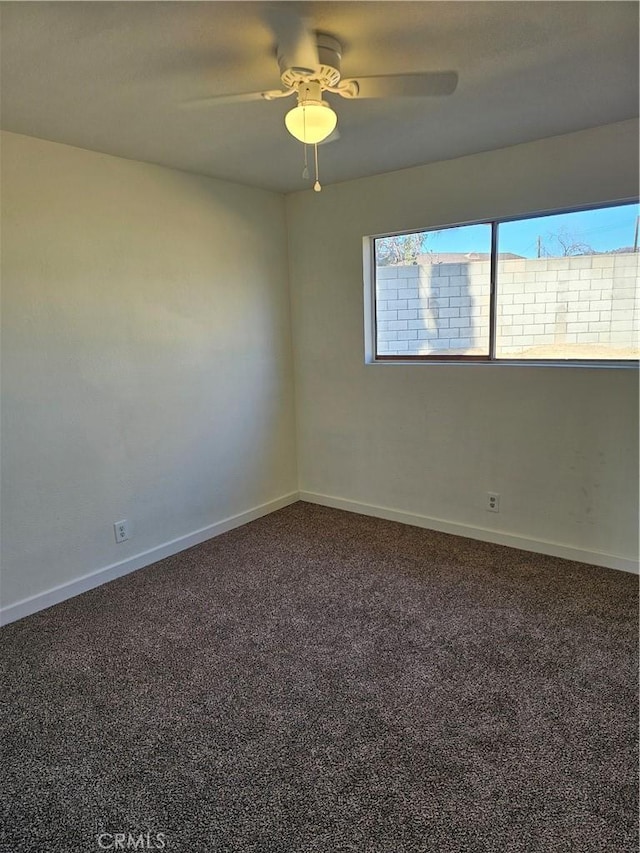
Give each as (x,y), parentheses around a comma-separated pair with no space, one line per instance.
(317,187)
(305,171)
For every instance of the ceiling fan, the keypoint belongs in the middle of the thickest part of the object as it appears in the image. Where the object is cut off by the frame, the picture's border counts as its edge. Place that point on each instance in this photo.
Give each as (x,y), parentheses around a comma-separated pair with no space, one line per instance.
(310,65)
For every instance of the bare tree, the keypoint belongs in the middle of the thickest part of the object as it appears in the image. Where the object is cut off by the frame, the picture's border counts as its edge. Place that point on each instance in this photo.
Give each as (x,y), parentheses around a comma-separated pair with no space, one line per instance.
(566,245)
(402,249)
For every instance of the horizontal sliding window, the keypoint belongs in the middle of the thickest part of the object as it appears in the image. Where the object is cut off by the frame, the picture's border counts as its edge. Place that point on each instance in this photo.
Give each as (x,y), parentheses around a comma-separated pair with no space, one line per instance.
(560,287)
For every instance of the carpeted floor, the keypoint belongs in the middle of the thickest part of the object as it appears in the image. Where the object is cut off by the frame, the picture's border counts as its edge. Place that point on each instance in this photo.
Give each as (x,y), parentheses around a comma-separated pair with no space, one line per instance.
(319,681)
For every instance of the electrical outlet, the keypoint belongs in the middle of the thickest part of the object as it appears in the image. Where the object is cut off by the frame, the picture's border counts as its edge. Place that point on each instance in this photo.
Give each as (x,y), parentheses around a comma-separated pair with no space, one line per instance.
(493,502)
(121,530)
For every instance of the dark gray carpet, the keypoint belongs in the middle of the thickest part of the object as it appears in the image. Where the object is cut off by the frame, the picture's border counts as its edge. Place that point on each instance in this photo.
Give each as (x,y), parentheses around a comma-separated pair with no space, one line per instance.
(322,681)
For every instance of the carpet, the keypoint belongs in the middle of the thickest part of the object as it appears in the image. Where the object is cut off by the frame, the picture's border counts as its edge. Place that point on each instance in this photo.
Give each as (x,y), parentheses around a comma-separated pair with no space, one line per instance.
(318,681)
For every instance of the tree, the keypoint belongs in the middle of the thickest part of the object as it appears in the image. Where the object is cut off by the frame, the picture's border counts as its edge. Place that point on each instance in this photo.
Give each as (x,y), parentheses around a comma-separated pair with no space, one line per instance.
(402,249)
(566,245)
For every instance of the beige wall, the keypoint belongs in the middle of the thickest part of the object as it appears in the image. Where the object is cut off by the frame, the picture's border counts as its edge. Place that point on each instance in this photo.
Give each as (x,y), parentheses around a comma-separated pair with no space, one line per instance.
(559,444)
(127,392)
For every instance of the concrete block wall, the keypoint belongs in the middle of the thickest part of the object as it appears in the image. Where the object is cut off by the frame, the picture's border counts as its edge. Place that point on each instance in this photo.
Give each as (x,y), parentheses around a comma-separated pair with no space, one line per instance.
(432,307)
(586,300)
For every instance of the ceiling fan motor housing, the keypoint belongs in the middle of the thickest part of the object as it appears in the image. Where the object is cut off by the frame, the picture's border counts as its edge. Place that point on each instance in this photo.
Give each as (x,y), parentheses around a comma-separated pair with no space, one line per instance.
(327,72)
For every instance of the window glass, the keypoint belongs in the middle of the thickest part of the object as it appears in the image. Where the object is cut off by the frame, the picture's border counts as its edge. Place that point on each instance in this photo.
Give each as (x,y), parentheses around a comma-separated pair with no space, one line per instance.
(567,286)
(433,292)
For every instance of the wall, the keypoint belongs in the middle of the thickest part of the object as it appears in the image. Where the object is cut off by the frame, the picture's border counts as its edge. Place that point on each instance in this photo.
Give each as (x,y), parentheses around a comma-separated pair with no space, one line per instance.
(425,442)
(127,392)
(557,307)
(428,308)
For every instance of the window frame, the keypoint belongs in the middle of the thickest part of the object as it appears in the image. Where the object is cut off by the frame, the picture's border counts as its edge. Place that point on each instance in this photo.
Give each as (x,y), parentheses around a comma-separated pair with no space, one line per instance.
(372,356)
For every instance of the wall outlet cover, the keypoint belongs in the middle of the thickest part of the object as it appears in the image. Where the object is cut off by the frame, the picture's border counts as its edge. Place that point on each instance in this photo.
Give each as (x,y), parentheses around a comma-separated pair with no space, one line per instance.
(121,530)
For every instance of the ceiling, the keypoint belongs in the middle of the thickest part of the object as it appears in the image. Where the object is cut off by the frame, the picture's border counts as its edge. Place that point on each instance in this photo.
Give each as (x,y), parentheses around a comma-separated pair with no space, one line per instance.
(116,78)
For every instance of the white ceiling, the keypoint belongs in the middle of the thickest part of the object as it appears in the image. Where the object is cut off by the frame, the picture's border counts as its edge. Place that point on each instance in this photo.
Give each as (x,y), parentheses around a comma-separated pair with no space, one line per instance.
(114,77)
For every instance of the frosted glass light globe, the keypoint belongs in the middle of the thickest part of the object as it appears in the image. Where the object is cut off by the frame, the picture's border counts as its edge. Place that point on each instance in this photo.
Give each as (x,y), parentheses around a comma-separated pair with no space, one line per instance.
(311,122)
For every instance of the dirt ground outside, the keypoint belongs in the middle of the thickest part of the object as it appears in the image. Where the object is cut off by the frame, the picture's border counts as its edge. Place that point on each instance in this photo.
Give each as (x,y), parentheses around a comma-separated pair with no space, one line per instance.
(555,352)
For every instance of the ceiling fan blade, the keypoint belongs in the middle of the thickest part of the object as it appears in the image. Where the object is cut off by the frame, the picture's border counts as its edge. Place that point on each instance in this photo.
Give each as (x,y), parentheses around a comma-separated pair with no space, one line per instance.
(214,100)
(296,40)
(403,85)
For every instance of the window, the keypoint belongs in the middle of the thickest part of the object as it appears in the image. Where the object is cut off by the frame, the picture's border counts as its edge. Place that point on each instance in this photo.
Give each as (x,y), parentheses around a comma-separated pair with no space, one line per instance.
(560,287)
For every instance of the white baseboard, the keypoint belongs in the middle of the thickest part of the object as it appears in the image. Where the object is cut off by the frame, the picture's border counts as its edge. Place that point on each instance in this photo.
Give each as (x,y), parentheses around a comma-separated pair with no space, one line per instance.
(553,549)
(42,600)
(34,603)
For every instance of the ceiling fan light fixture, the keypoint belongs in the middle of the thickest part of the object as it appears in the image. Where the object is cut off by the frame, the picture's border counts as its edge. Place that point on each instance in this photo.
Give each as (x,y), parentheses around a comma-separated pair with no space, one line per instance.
(311,121)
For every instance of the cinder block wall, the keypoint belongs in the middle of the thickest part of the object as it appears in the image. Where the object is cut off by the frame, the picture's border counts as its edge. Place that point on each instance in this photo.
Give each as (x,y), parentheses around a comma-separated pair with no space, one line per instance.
(591,299)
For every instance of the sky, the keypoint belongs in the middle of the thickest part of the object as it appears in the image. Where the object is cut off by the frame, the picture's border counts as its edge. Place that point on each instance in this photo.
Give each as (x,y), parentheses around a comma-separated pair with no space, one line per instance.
(601,230)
